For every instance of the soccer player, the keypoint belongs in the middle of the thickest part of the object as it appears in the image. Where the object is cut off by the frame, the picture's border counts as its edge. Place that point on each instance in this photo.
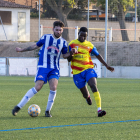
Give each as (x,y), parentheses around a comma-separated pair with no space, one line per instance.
(82,67)
(48,65)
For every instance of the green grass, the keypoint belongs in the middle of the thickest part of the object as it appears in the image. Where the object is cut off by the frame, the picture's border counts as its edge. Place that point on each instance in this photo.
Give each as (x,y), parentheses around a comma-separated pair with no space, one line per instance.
(120,98)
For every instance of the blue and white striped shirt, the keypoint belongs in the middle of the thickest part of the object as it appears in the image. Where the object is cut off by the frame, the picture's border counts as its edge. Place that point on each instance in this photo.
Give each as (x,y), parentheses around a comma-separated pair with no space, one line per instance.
(50,52)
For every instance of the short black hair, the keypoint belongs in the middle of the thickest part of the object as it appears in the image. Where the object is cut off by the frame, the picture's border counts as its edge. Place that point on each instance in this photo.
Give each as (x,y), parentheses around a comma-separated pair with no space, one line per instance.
(58,23)
(83,29)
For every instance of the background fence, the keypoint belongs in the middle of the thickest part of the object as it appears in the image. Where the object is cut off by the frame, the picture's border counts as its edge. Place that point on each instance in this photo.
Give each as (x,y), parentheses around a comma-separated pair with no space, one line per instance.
(28,67)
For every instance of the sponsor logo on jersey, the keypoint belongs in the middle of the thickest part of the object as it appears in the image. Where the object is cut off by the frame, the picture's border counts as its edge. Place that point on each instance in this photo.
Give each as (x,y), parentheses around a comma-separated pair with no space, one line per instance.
(53,47)
(80,56)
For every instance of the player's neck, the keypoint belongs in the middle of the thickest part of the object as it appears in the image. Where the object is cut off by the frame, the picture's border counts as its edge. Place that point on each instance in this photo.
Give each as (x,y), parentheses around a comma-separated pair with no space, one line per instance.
(80,41)
(55,36)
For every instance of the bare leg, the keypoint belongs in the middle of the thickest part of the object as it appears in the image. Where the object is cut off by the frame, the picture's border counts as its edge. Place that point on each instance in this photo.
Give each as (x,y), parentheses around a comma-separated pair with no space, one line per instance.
(92,82)
(38,85)
(53,84)
(86,94)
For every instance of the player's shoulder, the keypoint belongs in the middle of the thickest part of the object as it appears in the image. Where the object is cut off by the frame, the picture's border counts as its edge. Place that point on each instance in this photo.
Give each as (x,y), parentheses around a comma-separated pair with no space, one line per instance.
(89,43)
(73,41)
(47,35)
(64,40)
(44,36)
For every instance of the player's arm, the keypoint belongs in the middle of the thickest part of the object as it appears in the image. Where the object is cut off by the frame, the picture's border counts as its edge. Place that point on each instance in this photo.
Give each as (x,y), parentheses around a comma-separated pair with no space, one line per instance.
(30,48)
(34,46)
(70,54)
(69,58)
(100,58)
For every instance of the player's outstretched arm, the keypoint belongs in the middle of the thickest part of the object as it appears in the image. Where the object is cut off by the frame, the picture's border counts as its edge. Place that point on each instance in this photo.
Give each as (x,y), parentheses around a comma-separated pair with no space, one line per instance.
(70,54)
(99,57)
(30,48)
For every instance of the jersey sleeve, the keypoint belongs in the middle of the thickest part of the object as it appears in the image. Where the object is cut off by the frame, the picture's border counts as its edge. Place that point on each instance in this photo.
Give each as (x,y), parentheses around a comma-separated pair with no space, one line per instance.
(69,48)
(94,52)
(41,41)
(64,49)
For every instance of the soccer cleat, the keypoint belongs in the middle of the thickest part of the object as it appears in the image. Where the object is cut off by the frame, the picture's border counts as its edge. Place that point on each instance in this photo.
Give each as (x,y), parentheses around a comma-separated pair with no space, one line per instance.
(101,113)
(47,114)
(89,101)
(15,110)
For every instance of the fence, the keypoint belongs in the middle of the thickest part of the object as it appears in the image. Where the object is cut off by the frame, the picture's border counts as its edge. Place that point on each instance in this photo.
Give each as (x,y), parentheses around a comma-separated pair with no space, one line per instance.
(28,67)
(100,35)
(94,26)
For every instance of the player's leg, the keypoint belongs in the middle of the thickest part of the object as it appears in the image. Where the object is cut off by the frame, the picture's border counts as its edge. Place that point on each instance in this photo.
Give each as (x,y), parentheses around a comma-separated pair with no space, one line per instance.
(92,82)
(40,79)
(86,94)
(30,93)
(53,77)
(53,86)
(80,83)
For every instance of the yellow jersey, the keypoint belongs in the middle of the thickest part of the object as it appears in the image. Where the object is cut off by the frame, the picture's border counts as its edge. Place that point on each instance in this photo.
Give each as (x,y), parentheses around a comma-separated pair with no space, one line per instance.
(82,60)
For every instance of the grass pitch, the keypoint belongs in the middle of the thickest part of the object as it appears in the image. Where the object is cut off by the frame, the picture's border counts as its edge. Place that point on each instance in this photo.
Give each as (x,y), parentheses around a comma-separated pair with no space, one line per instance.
(73,118)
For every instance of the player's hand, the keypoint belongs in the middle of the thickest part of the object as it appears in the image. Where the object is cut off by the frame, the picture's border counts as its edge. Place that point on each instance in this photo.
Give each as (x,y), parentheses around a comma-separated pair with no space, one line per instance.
(110,68)
(95,65)
(74,51)
(18,49)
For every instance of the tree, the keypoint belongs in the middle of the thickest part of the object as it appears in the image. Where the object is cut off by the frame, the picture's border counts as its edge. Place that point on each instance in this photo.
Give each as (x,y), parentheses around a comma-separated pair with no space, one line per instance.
(75,13)
(62,8)
(119,9)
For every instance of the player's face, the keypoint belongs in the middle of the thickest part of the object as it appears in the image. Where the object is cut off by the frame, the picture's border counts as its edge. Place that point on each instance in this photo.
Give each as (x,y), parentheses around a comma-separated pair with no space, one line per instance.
(57,31)
(82,36)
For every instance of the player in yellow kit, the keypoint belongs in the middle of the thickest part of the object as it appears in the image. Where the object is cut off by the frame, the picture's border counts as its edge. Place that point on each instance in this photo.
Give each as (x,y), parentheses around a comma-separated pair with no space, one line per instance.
(82,67)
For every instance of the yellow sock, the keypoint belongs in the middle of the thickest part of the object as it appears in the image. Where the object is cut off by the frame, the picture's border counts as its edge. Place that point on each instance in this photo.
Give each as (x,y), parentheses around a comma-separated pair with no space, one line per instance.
(97,99)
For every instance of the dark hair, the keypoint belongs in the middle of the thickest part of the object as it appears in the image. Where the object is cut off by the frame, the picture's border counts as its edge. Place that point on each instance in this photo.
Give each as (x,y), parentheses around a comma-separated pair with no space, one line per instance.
(58,23)
(83,29)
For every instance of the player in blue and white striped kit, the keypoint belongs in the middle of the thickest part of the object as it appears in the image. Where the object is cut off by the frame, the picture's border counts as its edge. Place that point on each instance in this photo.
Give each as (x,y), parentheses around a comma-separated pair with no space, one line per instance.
(48,65)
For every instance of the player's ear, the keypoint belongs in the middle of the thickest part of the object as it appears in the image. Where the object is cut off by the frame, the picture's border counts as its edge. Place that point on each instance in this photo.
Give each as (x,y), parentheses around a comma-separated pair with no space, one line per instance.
(62,30)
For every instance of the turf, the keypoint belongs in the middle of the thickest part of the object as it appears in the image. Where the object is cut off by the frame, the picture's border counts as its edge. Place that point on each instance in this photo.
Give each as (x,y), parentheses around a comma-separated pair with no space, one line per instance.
(73,118)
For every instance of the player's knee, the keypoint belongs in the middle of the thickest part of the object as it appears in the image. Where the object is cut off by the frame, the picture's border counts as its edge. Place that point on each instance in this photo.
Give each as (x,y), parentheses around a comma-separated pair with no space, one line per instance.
(94,88)
(53,87)
(38,87)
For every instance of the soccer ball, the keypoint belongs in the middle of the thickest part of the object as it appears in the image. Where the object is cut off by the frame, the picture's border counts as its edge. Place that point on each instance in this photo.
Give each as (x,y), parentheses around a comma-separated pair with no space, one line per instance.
(34,110)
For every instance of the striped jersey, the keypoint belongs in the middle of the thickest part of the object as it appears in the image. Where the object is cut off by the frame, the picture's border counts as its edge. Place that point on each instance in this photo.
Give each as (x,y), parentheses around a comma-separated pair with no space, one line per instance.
(82,60)
(50,52)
